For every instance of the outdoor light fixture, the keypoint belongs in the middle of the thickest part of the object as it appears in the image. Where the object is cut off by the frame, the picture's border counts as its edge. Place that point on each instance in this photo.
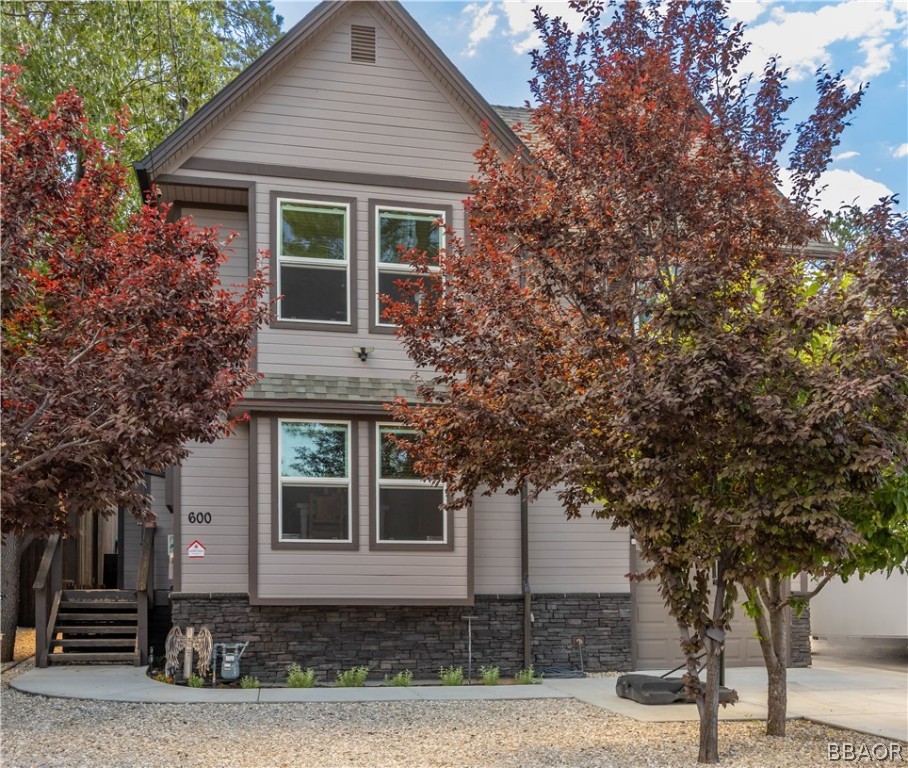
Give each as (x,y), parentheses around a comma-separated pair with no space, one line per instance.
(363,352)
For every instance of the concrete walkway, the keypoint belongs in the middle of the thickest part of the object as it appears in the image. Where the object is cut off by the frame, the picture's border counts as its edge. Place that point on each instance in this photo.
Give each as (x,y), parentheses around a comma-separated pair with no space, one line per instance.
(866,699)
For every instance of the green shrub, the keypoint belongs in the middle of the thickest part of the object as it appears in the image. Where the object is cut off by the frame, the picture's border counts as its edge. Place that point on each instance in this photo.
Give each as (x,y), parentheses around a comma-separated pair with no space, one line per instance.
(194,681)
(451,675)
(352,678)
(490,675)
(401,679)
(248,681)
(527,677)
(297,677)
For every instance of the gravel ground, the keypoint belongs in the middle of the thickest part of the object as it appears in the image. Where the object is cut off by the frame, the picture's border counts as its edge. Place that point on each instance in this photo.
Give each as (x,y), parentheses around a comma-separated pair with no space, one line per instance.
(66,733)
(25,644)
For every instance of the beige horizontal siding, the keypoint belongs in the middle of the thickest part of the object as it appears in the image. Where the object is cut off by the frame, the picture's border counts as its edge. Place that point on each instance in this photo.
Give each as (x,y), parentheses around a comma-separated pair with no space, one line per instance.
(497,544)
(214,479)
(581,555)
(234,271)
(325,111)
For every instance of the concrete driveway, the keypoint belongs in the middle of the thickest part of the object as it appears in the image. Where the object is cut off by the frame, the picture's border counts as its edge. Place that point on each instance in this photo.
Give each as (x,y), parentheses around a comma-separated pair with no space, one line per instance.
(860,684)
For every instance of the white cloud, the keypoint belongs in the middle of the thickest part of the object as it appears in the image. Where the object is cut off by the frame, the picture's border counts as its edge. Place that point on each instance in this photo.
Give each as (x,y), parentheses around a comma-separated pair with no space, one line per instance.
(803,39)
(841,188)
(846,155)
(900,151)
(519,14)
(847,187)
(482,24)
(746,10)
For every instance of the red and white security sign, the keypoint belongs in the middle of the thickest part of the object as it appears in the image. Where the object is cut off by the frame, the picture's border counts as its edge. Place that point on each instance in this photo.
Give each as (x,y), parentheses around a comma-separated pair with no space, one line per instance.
(196,549)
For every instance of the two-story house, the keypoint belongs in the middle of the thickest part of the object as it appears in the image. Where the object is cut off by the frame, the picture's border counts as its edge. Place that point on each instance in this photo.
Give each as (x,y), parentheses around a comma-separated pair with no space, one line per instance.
(306,532)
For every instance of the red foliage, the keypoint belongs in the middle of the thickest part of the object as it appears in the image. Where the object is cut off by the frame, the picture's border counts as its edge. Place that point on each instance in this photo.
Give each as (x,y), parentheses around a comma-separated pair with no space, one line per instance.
(119,343)
(632,322)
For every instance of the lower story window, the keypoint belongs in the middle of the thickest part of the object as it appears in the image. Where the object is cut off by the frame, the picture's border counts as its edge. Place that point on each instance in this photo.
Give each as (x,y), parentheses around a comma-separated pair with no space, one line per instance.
(314,460)
(409,507)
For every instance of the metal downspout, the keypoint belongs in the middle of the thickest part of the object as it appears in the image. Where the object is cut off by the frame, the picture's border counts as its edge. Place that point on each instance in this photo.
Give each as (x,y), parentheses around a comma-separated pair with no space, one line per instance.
(525,577)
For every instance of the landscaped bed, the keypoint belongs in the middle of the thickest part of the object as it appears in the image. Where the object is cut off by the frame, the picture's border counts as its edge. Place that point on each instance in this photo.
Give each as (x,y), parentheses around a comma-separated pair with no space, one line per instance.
(356,677)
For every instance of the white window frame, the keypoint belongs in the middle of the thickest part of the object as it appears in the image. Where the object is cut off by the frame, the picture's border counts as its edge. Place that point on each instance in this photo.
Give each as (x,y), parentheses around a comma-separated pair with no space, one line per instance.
(339,482)
(304,261)
(399,483)
(401,269)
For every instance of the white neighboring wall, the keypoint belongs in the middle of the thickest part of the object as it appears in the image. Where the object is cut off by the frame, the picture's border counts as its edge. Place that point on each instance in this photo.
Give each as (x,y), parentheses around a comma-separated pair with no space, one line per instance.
(876,606)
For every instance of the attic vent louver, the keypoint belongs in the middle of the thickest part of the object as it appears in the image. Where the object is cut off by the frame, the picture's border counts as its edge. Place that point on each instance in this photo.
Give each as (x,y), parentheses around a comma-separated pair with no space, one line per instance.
(362,44)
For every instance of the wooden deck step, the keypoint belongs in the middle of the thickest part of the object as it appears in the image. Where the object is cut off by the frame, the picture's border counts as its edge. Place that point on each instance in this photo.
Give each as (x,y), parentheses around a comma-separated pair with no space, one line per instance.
(69,658)
(97,642)
(96,629)
(99,605)
(95,595)
(109,617)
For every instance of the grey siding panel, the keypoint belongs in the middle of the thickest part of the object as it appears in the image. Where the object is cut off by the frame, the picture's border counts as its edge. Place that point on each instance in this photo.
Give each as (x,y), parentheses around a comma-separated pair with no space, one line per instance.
(497,544)
(351,576)
(325,111)
(214,480)
(235,270)
(582,555)
(131,547)
(164,527)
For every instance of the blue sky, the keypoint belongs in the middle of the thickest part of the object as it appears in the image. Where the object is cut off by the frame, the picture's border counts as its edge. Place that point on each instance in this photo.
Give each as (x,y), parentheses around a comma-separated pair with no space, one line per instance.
(866,39)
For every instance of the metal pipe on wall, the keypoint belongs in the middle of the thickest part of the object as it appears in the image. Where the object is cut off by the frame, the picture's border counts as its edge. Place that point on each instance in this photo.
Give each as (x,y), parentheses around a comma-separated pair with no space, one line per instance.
(525,576)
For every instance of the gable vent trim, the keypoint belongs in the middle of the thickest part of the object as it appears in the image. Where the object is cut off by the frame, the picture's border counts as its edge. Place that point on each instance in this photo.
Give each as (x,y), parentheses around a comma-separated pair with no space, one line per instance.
(362,44)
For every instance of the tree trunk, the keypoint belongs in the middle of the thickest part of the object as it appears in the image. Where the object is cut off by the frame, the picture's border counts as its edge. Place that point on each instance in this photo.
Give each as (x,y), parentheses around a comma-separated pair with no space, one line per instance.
(772,630)
(13,547)
(776,699)
(777,675)
(708,695)
(708,705)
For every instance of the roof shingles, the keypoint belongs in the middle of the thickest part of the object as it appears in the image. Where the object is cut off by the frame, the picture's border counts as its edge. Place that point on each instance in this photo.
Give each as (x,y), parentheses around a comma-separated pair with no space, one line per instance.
(287,386)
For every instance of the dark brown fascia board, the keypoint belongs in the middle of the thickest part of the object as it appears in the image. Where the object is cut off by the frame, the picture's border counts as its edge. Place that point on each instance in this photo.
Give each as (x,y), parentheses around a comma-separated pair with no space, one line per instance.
(235,90)
(323,174)
(344,408)
(204,181)
(456,81)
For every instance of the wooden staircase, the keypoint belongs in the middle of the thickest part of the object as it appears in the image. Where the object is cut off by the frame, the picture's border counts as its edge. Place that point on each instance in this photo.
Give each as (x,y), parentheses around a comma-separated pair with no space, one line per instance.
(94,625)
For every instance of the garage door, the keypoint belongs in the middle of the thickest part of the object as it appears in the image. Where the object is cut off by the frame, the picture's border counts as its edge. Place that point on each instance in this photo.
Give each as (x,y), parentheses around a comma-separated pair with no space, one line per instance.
(657,635)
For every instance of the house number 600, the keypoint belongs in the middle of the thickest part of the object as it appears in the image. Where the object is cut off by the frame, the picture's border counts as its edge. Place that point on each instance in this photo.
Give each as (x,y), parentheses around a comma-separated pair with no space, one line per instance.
(198,518)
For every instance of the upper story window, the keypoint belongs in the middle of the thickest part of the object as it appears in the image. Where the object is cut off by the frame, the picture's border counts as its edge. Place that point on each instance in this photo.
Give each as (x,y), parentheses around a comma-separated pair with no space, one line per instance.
(409,507)
(397,230)
(313,258)
(314,484)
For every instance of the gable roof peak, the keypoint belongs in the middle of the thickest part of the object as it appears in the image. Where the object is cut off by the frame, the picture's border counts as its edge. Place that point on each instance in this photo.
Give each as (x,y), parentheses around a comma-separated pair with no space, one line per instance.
(213,113)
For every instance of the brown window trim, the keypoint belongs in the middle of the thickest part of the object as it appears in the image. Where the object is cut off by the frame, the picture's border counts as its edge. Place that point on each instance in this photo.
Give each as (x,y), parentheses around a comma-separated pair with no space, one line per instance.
(386,546)
(276,543)
(374,205)
(314,325)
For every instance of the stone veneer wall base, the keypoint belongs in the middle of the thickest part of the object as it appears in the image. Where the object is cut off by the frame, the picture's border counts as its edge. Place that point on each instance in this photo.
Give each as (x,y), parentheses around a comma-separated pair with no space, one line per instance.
(389,639)
(799,639)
